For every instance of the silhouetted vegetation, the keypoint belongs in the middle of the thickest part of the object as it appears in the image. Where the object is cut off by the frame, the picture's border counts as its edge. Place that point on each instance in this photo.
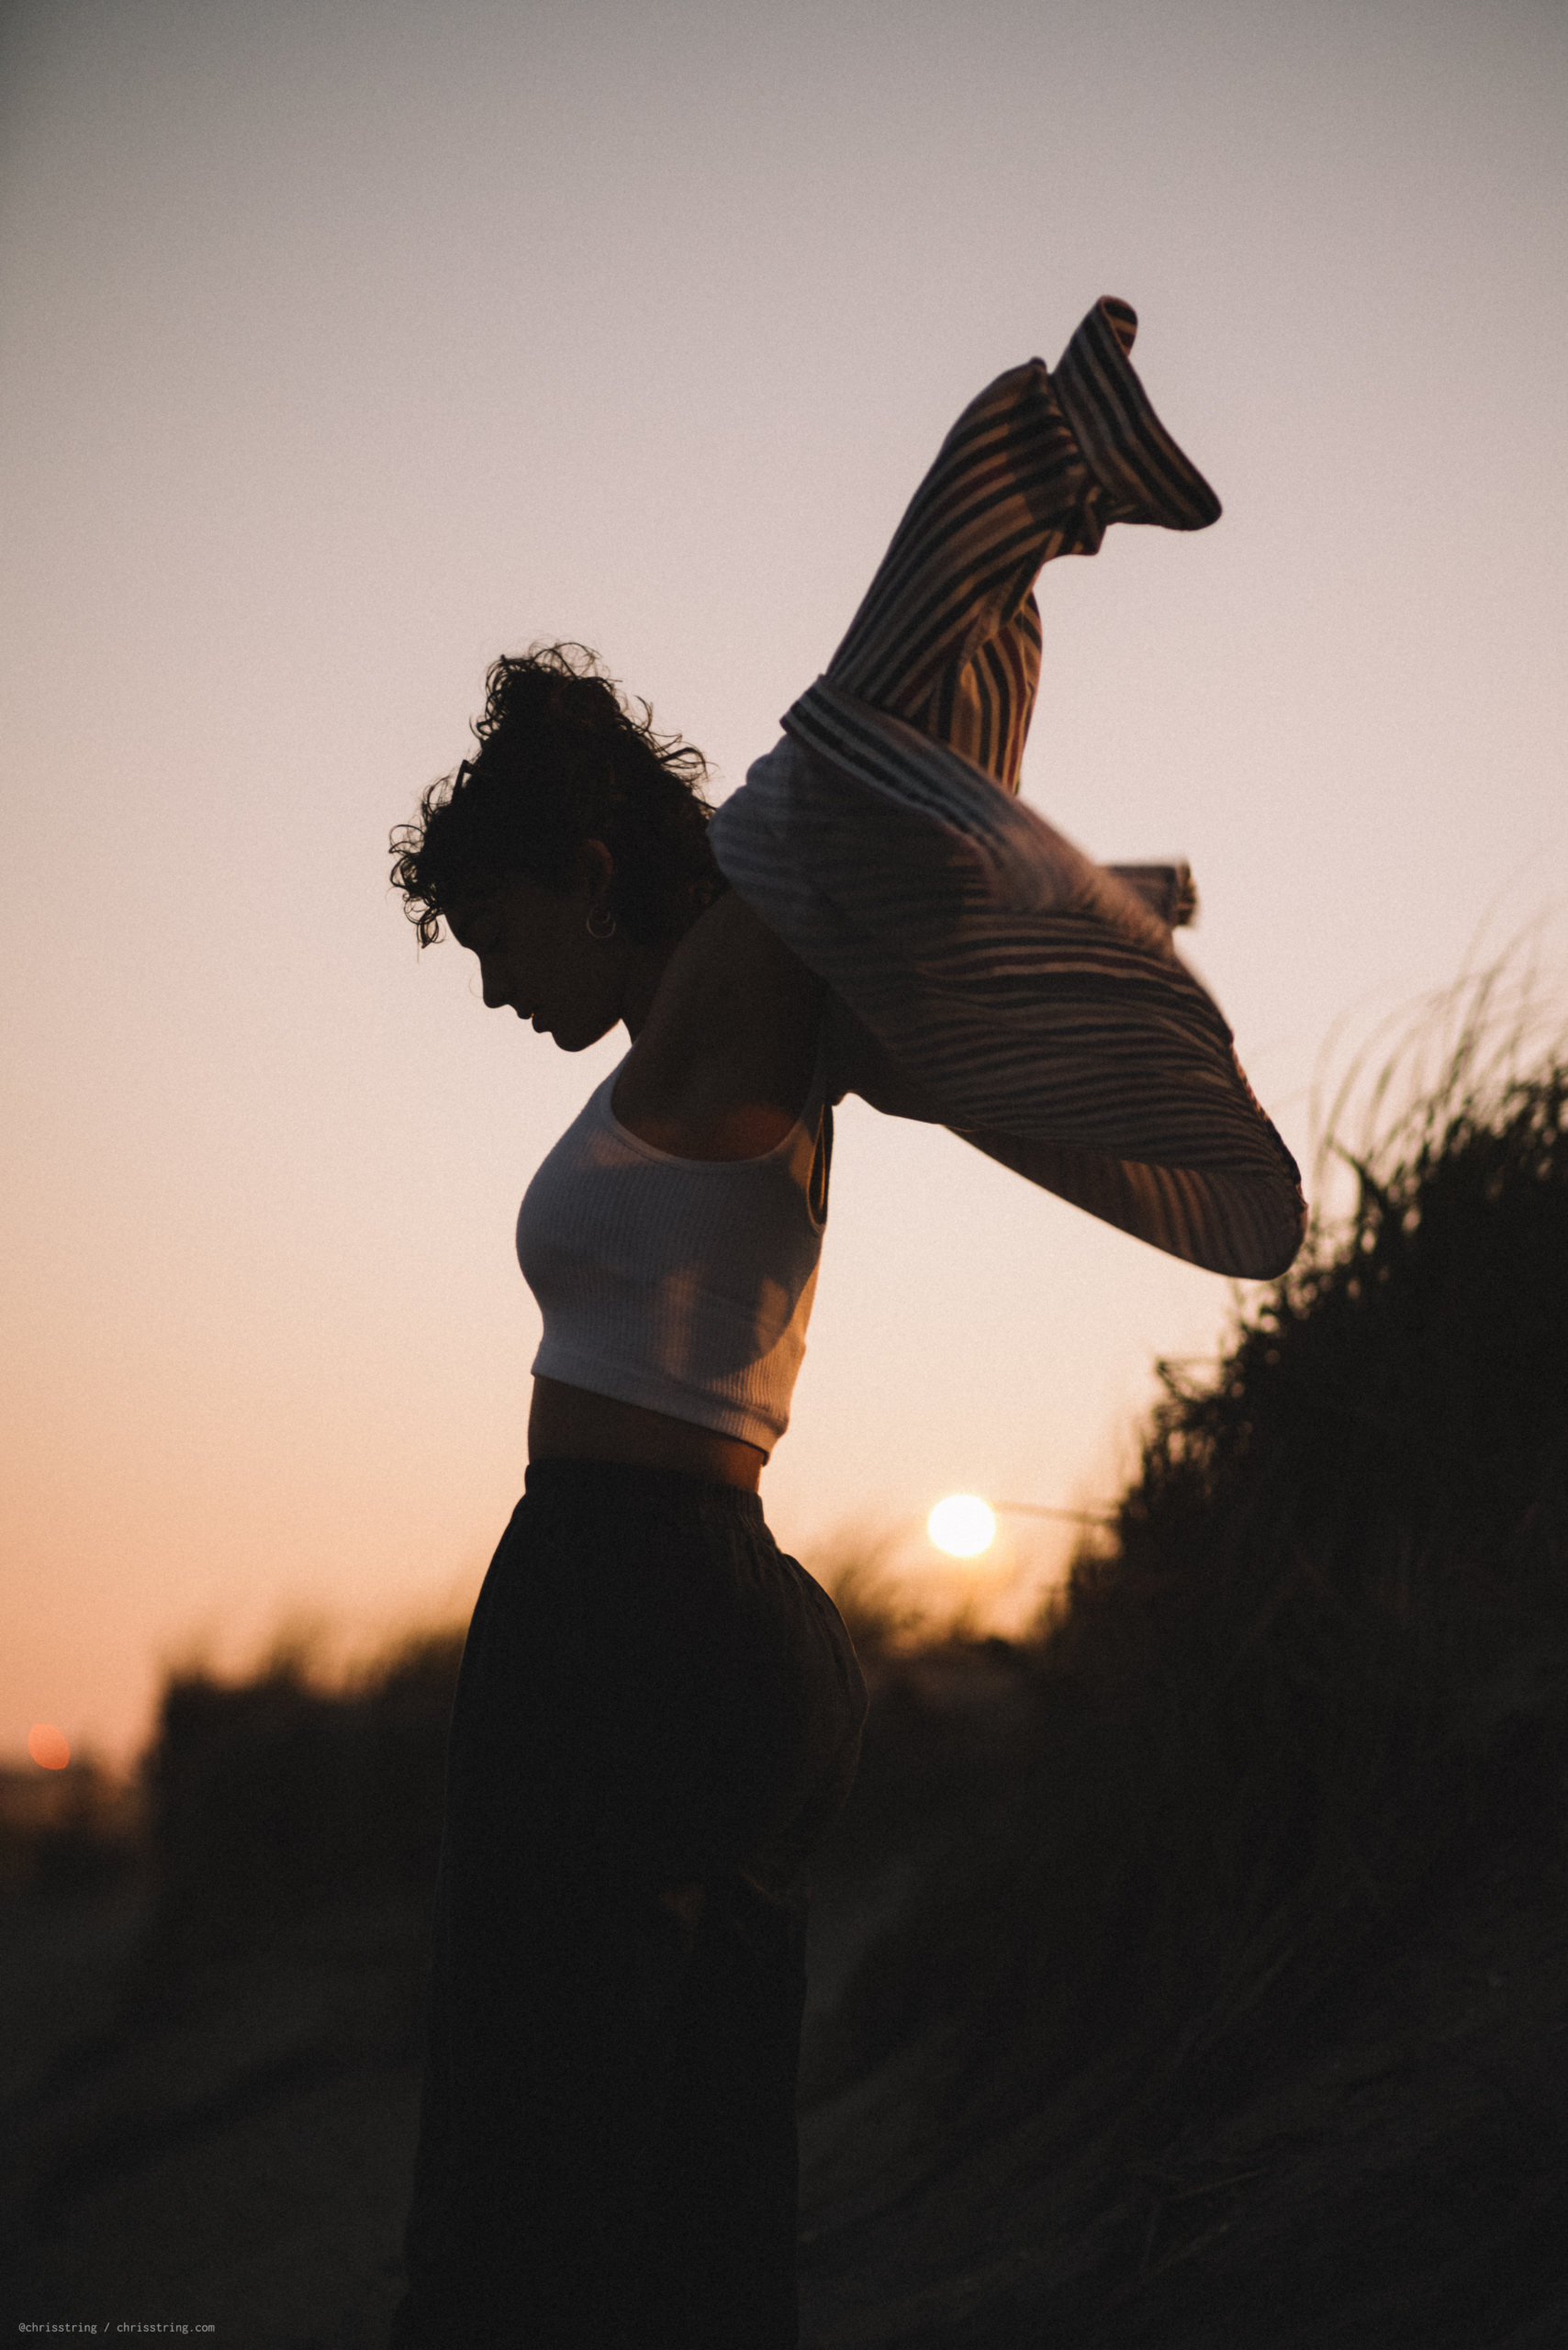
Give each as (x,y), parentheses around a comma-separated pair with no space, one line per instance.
(1290,1794)
(273,1795)
(79,1830)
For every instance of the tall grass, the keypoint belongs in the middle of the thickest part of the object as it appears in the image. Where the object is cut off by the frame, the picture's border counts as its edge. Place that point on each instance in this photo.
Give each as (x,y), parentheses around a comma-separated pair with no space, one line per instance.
(1302,1723)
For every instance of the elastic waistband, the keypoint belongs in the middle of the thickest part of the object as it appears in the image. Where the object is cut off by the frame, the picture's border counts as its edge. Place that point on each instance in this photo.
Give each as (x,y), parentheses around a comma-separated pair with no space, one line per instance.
(623,1485)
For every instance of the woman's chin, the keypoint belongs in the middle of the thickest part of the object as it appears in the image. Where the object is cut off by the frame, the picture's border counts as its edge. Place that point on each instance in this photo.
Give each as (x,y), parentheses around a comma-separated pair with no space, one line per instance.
(573,1040)
(575,1036)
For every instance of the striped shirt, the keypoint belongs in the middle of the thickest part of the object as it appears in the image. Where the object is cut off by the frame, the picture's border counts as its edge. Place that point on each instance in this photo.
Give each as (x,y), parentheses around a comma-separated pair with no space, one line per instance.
(986,975)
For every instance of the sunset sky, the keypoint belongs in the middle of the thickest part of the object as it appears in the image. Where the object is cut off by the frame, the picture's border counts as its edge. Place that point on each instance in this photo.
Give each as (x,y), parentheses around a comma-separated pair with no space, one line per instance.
(346,346)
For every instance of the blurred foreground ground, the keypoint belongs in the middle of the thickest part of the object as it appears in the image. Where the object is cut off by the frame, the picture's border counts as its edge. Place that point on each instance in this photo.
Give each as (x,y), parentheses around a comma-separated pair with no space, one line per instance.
(1193,1974)
(213,2116)
(226,2134)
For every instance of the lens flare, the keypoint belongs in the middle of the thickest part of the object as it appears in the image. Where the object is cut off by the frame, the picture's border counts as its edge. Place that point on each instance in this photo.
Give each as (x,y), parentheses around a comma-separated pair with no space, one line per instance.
(962,1526)
(49,1749)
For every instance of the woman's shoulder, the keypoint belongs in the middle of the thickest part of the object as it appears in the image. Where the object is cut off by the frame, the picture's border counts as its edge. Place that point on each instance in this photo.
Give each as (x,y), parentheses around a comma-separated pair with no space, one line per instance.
(723,1064)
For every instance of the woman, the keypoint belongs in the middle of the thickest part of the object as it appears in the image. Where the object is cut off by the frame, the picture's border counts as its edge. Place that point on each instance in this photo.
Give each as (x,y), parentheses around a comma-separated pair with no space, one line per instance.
(658,1714)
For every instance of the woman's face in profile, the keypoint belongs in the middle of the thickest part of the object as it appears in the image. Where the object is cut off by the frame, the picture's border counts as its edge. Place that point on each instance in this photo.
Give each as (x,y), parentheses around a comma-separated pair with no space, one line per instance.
(537,959)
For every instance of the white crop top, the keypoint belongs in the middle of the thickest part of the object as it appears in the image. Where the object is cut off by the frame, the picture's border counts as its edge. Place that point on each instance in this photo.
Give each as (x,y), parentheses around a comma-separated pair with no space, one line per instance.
(681,1284)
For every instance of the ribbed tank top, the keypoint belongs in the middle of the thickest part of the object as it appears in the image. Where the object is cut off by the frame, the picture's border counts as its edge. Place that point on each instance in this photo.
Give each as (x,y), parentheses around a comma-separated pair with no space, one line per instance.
(681,1284)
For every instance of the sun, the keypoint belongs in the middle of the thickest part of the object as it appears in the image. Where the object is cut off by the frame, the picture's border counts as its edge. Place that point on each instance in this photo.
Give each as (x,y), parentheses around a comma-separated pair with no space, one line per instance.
(48,1747)
(963,1525)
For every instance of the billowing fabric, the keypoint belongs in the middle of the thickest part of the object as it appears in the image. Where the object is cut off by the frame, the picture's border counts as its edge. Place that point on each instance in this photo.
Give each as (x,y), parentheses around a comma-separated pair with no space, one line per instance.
(989,976)
(684,1285)
(948,635)
(654,1701)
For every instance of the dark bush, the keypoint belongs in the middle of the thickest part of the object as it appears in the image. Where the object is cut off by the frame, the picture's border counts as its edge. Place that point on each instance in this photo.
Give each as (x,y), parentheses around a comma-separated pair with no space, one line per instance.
(1296,1765)
(273,1797)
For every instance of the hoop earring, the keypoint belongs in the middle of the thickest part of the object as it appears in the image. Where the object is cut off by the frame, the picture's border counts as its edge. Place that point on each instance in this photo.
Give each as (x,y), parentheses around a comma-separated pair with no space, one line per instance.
(607,932)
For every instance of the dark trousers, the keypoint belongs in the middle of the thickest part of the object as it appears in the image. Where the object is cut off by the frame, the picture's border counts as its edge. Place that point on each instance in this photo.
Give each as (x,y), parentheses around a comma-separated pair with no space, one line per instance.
(658,1716)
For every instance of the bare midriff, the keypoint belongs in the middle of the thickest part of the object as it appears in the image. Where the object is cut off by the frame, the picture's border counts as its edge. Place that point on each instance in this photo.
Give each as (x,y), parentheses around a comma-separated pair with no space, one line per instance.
(572,1424)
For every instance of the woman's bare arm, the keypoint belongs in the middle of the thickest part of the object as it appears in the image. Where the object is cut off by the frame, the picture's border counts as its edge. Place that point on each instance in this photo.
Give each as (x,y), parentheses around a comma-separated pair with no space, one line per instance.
(723,1065)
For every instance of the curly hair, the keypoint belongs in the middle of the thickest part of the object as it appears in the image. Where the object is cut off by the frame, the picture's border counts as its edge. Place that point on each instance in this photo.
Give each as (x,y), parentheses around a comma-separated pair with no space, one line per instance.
(563,759)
